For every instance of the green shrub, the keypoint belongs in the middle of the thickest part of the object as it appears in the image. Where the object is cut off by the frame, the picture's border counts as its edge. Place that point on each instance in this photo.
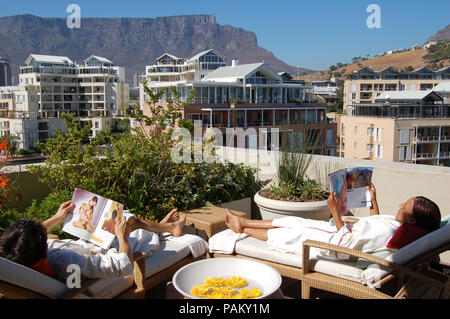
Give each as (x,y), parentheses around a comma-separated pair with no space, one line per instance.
(136,169)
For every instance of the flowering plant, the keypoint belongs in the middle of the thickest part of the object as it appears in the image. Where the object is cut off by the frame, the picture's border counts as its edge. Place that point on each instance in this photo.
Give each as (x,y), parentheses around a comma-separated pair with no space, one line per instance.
(4,180)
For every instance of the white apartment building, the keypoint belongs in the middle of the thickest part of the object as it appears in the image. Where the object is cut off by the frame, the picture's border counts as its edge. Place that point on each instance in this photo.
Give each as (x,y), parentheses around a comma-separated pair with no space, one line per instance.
(94,91)
(367,85)
(238,96)
(401,126)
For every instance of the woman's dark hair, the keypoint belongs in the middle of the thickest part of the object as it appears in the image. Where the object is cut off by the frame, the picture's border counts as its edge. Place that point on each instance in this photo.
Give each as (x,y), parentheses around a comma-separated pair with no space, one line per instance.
(114,214)
(95,199)
(426,213)
(24,242)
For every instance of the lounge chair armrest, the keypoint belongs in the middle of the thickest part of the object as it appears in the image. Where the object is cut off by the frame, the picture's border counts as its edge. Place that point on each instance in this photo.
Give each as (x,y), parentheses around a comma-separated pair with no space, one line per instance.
(139,270)
(401,269)
(69,294)
(307,244)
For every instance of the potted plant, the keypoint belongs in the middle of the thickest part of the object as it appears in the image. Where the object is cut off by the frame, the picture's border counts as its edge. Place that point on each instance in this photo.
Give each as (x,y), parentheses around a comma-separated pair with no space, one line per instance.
(294,193)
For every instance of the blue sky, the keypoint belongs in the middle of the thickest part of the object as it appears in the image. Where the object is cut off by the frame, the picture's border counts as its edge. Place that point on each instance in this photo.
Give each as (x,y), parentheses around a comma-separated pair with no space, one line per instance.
(311,34)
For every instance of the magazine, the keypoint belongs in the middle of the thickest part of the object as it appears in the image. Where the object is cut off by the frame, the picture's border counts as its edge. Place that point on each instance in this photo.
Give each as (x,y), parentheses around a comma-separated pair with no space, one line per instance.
(350,186)
(93,218)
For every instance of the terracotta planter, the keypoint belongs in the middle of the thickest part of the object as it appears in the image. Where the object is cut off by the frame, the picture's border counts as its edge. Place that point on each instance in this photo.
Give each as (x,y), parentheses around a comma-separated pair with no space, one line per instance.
(271,209)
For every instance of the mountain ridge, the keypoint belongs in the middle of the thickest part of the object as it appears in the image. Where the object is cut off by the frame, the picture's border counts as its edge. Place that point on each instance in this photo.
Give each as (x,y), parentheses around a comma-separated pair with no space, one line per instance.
(131,42)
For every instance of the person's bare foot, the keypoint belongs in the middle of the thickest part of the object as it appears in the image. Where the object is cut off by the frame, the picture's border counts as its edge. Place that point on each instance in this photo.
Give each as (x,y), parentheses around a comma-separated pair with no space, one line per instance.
(171,217)
(178,226)
(235,223)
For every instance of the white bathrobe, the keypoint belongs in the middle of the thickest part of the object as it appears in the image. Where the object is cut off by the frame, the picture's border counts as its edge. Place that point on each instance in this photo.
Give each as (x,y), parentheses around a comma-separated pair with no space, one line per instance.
(93,261)
(369,234)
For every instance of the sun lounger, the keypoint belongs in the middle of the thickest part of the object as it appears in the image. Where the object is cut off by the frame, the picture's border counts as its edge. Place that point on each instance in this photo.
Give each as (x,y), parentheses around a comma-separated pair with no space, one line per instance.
(365,275)
(17,281)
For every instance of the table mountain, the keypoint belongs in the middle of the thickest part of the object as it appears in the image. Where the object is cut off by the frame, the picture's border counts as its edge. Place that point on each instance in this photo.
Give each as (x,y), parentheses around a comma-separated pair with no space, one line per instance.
(130,42)
(441,35)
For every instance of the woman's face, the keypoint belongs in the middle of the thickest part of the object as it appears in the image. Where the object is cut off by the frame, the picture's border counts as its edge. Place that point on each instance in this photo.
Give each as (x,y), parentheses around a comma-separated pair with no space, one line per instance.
(92,203)
(405,212)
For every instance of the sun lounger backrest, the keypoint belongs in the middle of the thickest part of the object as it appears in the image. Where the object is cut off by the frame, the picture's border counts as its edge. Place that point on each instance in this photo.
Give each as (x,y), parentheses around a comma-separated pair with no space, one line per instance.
(422,245)
(28,278)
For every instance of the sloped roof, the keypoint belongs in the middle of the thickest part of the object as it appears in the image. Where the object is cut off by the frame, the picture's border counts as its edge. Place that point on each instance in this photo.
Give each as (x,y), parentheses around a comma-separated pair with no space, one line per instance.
(101,59)
(387,68)
(442,87)
(422,68)
(198,55)
(445,68)
(407,95)
(237,72)
(50,58)
(170,55)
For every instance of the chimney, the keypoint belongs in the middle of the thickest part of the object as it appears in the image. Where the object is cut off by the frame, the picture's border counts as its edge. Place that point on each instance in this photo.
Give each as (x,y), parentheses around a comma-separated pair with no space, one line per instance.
(234,62)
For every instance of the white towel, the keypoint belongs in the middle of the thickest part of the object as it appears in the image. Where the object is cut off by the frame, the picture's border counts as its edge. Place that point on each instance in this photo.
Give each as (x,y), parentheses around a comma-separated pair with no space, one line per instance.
(196,244)
(225,242)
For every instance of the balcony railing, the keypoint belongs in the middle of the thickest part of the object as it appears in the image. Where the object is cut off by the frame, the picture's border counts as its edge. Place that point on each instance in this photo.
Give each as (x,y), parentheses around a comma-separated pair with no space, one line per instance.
(431,139)
(425,156)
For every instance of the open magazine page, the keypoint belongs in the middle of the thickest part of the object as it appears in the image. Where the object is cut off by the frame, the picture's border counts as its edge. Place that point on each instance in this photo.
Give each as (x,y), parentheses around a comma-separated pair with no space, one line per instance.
(89,216)
(105,232)
(358,179)
(338,185)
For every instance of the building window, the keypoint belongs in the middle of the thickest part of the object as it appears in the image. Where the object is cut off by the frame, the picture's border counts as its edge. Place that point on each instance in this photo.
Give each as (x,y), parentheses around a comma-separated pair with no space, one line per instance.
(356,130)
(370,131)
(369,147)
(378,134)
(353,96)
(404,153)
(379,152)
(330,138)
(355,145)
(404,136)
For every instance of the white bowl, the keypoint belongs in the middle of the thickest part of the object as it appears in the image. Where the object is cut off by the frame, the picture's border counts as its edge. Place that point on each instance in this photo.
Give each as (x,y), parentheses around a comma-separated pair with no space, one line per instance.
(257,274)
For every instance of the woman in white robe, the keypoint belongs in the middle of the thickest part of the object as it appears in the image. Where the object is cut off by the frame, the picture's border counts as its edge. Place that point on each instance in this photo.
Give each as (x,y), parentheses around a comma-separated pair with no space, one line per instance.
(369,234)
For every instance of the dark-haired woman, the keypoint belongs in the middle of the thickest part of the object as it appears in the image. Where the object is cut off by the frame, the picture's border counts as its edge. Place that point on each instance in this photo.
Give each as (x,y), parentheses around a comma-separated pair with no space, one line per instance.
(25,242)
(418,215)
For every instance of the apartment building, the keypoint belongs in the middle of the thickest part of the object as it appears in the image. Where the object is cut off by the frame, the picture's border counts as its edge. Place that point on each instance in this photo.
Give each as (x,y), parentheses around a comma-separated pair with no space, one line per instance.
(94,91)
(239,97)
(401,126)
(5,72)
(366,84)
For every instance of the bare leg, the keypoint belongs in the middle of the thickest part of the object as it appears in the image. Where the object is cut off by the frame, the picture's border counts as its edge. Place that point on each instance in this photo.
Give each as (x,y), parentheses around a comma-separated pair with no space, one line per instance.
(258,233)
(175,228)
(238,224)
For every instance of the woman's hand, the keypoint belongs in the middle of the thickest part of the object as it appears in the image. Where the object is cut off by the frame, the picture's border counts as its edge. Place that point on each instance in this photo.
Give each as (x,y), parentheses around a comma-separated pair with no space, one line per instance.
(332,202)
(122,232)
(60,215)
(121,229)
(374,210)
(64,209)
(373,192)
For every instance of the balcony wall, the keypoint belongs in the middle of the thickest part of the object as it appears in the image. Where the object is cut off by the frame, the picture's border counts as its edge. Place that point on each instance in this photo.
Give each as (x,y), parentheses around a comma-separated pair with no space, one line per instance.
(395,182)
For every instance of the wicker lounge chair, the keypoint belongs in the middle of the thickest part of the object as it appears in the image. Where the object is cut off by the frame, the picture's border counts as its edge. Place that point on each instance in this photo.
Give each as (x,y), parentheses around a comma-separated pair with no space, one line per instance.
(367,277)
(19,282)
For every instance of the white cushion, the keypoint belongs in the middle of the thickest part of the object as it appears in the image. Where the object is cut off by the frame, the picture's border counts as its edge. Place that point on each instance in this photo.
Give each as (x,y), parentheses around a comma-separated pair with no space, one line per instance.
(258,249)
(168,254)
(28,278)
(345,269)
